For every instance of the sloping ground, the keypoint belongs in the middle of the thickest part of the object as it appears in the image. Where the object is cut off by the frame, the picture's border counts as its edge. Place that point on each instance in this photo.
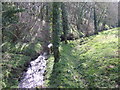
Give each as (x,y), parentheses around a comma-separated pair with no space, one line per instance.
(15,59)
(88,62)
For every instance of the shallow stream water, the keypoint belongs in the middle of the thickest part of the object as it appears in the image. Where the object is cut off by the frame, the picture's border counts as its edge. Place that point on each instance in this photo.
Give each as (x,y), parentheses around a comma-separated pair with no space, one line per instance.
(34,76)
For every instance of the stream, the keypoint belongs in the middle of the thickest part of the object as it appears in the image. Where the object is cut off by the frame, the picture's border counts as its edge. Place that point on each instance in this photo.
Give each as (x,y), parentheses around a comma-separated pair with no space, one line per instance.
(34,77)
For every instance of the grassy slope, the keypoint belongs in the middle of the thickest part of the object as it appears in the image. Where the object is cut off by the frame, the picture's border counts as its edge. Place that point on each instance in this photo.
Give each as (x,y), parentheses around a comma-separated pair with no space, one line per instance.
(92,63)
(14,61)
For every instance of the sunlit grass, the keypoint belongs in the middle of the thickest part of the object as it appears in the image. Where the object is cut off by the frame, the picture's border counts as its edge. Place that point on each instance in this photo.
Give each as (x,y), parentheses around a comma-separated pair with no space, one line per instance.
(91,63)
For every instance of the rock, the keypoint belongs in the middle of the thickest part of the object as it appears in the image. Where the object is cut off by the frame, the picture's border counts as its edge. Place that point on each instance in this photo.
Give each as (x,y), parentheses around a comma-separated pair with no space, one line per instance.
(50,45)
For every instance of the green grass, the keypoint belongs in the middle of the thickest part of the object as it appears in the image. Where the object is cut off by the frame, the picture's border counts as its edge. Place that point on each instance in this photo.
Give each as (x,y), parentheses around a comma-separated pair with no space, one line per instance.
(87,62)
(91,63)
(15,57)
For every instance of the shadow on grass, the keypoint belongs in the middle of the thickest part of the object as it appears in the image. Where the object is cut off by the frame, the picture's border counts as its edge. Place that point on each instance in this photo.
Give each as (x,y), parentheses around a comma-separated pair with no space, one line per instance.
(65,73)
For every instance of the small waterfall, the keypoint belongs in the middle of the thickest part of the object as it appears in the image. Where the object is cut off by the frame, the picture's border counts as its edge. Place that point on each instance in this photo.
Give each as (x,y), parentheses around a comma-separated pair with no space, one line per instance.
(34,75)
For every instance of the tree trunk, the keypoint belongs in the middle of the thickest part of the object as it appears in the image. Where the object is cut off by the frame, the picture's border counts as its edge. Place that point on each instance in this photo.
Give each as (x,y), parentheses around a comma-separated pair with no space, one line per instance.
(64,22)
(118,23)
(95,21)
(56,30)
(46,30)
(118,14)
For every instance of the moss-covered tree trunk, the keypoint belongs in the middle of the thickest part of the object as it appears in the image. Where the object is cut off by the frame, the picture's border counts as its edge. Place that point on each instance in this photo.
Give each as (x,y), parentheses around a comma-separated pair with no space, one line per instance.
(118,23)
(64,22)
(118,14)
(95,21)
(56,30)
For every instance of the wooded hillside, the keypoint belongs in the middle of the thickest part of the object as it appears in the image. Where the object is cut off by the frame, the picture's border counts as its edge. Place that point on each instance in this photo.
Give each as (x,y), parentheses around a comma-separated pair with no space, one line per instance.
(60,45)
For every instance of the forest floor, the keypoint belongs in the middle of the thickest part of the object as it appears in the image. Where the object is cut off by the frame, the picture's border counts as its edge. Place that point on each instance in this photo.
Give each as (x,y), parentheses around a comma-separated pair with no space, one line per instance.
(86,62)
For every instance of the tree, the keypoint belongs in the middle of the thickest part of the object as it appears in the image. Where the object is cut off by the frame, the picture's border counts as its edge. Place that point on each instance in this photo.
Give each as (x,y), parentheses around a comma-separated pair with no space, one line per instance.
(10,20)
(95,21)
(56,30)
(46,29)
(118,14)
(80,14)
(64,22)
